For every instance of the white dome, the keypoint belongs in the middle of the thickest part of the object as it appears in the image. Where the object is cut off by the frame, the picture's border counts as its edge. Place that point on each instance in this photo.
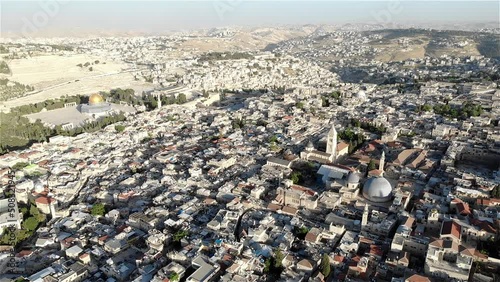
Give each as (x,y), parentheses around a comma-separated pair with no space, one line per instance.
(377,189)
(361,95)
(310,145)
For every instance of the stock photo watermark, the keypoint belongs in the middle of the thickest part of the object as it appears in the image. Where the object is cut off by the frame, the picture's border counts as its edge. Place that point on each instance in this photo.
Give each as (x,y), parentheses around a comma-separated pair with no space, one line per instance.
(222,7)
(386,16)
(41,18)
(49,9)
(383,16)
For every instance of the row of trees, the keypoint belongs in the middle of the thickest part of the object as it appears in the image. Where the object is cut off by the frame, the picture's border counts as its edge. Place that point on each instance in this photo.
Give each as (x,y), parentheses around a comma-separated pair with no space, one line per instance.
(62,47)
(50,104)
(326,100)
(369,126)
(465,111)
(225,56)
(123,95)
(151,103)
(13,89)
(91,126)
(88,64)
(17,132)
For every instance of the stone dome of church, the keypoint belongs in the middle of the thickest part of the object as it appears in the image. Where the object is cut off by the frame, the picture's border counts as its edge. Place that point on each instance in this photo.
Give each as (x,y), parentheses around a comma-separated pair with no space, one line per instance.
(377,189)
(353,177)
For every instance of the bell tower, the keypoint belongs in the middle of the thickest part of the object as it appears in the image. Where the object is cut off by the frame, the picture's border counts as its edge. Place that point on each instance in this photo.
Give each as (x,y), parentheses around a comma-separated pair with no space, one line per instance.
(364,219)
(331,142)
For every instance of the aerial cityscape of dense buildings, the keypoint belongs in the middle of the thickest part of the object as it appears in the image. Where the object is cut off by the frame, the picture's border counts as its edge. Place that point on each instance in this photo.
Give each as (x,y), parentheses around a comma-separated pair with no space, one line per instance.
(340,155)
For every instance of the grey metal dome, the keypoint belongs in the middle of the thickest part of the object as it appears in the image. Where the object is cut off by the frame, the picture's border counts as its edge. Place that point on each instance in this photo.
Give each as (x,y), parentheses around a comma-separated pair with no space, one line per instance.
(377,189)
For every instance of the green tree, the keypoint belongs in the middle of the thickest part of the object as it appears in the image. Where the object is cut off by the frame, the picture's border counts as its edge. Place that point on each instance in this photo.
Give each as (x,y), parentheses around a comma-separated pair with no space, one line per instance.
(427,108)
(261,122)
(371,165)
(267,265)
(278,258)
(296,177)
(119,128)
(495,193)
(98,209)
(301,232)
(325,265)
(273,139)
(181,98)
(356,123)
(9,237)
(20,165)
(179,235)
(174,276)
(34,210)
(335,94)
(4,68)
(30,224)
(238,123)
(325,102)
(299,105)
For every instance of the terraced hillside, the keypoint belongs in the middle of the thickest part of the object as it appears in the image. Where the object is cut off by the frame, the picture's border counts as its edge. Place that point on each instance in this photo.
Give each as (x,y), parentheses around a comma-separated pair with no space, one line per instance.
(390,45)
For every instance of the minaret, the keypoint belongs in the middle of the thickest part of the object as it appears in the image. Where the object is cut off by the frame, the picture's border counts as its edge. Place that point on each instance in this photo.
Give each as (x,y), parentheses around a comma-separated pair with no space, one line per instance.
(158,97)
(381,162)
(52,207)
(364,219)
(331,142)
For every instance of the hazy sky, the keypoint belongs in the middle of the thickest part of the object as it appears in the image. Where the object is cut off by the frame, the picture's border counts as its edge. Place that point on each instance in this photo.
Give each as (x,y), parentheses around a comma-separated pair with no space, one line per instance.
(157,16)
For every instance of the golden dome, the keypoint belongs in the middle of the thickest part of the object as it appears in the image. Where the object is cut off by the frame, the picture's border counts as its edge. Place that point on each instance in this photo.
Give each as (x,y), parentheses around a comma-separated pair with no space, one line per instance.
(95,99)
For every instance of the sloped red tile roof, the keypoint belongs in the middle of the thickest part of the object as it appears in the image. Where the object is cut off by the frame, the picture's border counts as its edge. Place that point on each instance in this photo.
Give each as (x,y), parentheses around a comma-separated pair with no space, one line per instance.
(451,228)
(417,278)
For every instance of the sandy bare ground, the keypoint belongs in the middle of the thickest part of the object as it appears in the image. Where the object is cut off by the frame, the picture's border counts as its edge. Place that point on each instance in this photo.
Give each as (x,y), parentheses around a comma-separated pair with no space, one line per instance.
(242,41)
(47,70)
(392,51)
(54,76)
(413,52)
(469,50)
